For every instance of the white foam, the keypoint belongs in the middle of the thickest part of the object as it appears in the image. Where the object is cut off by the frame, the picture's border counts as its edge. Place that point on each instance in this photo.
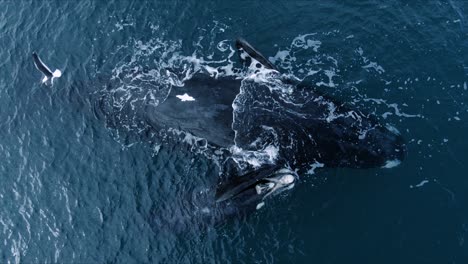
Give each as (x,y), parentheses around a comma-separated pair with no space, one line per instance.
(287,179)
(394,106)
(280,56)
(185,97)
(421,184)
(272,152)
(330,74)
(256,158)
(391,164)
(301,42)
(374,66)
(260,205)
(315,166)
(197,143)
(392,129)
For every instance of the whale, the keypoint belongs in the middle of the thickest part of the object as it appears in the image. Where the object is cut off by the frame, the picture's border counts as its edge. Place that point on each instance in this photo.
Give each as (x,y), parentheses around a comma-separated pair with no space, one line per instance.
(325,130)
(289,124)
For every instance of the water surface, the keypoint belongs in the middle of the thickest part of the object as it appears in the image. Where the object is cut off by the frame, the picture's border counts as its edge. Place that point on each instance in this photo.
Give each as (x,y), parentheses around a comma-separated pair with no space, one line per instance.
(75,190)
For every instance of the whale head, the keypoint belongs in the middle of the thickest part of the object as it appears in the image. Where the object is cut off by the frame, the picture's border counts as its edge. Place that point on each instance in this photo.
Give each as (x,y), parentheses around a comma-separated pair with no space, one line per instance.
(382,147)
(379,146)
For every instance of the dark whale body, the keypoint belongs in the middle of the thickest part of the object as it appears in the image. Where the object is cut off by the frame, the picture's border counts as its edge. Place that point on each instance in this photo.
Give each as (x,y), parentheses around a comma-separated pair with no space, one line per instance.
(349,138)
(309,126)
(209,116)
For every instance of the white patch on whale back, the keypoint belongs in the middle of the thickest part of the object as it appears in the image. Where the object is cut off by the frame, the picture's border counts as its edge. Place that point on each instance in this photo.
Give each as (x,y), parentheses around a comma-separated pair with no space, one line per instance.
(185,97)
(391,164)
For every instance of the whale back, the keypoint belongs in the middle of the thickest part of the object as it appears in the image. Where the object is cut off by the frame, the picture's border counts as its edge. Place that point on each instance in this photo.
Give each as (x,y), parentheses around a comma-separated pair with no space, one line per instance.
(207,114)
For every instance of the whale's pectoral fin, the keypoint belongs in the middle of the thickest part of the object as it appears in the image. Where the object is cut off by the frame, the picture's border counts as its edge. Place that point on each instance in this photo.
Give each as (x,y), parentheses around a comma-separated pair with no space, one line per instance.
(247,54)
(257,185)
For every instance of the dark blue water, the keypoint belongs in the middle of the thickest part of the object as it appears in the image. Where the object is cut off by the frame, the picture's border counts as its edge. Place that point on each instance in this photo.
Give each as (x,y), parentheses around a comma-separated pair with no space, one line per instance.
(76,189)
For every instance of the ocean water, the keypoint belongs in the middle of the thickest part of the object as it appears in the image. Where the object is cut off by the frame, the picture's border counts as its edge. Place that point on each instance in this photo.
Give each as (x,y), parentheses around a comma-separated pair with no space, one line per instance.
(79,188)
